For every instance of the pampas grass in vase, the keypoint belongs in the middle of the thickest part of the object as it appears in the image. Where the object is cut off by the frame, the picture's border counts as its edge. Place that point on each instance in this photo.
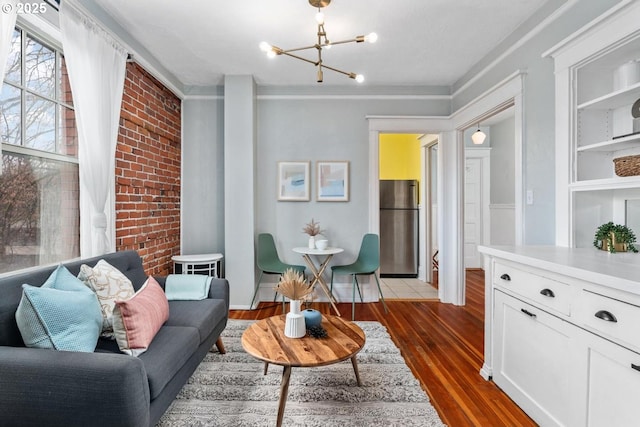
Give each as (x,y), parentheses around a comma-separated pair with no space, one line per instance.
(294,286)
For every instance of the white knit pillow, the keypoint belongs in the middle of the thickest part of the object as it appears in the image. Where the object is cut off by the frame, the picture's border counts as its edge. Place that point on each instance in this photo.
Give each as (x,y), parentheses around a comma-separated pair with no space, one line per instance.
(110,285)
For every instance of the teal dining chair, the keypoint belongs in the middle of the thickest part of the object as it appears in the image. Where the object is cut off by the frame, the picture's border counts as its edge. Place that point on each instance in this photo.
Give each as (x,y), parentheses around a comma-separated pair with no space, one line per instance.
(269,262)
(367,263)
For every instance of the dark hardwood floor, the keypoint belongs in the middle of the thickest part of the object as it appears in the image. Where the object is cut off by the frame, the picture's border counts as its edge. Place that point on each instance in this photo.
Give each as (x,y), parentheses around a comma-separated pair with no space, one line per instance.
(443,345)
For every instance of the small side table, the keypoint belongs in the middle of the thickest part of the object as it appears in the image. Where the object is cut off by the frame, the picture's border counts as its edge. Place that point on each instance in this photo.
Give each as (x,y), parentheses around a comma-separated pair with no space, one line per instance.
(208,264)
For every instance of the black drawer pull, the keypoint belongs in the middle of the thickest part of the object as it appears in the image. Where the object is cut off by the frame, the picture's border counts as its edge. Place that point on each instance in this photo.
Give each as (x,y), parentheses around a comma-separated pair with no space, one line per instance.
(506,277)
(636,367)
(528,313)
(607,316)
(547,293)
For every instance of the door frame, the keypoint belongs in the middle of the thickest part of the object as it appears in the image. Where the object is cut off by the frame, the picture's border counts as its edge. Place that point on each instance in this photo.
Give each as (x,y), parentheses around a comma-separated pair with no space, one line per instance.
(451,273)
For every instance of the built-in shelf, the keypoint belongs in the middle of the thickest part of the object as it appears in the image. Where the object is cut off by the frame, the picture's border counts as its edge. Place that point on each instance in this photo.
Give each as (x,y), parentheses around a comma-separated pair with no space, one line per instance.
(619,98)
(631,141)
(615,183)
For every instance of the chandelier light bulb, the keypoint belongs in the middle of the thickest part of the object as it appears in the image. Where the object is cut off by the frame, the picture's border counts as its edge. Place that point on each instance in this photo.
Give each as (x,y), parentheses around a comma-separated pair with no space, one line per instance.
(271,54)
(320,18)
(371,37)
(265,47)
(359,78)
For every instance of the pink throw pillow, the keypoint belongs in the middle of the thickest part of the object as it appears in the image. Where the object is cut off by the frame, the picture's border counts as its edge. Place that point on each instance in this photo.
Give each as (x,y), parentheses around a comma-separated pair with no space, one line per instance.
(137,320)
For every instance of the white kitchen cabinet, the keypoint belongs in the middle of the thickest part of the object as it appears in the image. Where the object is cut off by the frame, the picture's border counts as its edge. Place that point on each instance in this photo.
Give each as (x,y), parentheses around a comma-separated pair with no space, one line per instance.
(610,384)
(533,360)
(561,333)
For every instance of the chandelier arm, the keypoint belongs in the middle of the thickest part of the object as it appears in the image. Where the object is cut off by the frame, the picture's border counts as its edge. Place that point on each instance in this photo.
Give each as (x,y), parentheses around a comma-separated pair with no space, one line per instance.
(301,48)
(341,42)
(299,57)
(336,70)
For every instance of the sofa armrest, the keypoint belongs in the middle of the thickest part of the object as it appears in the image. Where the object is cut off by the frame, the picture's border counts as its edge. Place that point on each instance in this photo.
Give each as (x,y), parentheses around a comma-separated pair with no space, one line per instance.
(61,388)
(219,289)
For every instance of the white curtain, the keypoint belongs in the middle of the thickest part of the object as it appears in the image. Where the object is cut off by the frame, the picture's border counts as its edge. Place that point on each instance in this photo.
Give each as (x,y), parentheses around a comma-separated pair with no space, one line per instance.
(96,66)
(7,24)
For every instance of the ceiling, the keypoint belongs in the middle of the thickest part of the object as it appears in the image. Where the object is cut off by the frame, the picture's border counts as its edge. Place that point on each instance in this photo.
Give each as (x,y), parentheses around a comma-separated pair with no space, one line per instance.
(421,42)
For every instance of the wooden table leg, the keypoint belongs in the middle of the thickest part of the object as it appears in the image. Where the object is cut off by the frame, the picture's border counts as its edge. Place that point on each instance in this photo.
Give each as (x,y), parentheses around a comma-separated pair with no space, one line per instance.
(284,391)
(317,278)
(354,362)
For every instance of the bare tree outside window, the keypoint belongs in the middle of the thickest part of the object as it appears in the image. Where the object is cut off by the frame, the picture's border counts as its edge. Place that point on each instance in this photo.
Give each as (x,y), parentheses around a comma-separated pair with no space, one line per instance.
(39,187)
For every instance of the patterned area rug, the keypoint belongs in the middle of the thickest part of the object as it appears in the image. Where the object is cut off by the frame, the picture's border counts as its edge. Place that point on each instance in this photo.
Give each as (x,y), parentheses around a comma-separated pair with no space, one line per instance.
(231,390)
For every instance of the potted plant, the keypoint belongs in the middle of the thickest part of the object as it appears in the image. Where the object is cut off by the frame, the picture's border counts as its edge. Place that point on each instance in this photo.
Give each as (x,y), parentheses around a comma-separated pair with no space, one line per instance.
(615,238)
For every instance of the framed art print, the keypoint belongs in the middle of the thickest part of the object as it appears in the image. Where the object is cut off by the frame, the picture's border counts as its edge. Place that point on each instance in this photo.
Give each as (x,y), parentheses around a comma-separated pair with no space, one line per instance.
(332,181)
(293,181)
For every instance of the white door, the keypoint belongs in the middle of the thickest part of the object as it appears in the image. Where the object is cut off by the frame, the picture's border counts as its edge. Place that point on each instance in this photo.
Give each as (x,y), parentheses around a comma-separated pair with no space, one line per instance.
(472,212)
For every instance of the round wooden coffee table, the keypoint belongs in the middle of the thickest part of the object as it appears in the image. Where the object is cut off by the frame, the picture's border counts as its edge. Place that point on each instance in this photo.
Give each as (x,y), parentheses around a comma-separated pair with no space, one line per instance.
(265,340)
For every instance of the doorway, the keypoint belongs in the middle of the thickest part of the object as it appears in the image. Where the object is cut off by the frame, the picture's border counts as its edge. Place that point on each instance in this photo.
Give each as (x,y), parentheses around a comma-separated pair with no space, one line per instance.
(405,215)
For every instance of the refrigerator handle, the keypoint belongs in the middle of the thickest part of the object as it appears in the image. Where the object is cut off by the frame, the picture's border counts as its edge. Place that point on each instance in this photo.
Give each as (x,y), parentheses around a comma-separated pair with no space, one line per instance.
(415,192)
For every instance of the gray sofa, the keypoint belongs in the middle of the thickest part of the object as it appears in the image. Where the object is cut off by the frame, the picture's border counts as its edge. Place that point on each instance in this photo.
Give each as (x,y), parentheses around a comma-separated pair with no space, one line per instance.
(105,388)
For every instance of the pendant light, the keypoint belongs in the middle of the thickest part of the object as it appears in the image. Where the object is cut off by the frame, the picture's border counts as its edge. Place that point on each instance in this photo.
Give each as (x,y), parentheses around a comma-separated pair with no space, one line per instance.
(478,136)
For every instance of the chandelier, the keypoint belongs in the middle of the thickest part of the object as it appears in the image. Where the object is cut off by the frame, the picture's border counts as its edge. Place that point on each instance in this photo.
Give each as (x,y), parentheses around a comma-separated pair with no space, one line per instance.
(322,43)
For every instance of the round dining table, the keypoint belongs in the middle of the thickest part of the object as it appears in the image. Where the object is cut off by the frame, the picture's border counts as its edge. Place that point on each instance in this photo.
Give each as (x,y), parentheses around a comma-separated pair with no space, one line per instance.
(323,256)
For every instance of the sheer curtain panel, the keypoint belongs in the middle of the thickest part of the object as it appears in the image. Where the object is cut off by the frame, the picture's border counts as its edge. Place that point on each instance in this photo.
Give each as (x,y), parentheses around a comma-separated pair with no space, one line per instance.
(96,65)
(8,22)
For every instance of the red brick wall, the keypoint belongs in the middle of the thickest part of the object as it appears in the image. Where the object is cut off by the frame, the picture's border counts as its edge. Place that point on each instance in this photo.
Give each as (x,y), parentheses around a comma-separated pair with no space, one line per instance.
(148,171)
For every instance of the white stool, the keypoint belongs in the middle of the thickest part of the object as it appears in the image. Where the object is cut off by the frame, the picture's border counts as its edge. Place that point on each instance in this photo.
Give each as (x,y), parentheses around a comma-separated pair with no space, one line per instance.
(208,264)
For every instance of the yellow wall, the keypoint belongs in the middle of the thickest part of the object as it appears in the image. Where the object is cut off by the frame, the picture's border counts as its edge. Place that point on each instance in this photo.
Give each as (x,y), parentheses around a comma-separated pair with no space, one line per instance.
(399,156)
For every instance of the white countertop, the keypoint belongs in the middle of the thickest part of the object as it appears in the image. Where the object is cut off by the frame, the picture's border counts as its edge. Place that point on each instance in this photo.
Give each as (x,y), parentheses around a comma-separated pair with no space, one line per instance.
(618,270)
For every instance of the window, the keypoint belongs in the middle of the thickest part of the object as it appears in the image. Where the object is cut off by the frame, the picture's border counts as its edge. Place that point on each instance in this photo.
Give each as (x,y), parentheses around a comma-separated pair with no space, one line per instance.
(39,186)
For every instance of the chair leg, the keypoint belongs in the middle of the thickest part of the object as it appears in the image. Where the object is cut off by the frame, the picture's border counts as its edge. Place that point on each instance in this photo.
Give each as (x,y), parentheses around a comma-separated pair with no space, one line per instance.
(353,297)
(331,287)
(255,292)
(384,304)
(355,276)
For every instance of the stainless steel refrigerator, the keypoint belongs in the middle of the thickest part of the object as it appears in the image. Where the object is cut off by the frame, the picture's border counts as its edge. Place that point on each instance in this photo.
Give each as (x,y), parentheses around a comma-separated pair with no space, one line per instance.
(399,228)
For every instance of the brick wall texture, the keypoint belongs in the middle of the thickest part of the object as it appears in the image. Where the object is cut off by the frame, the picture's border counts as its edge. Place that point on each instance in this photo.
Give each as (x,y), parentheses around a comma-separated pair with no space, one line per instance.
(148,171)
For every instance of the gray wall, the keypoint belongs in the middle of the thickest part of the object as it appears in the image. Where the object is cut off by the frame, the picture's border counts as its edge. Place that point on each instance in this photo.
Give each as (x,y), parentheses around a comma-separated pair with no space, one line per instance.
(315,129)
(202,176)
(539,107)
(503,162)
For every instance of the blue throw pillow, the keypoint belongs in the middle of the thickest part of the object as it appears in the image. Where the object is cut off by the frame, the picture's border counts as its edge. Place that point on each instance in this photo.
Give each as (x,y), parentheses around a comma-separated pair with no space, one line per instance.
(62,314)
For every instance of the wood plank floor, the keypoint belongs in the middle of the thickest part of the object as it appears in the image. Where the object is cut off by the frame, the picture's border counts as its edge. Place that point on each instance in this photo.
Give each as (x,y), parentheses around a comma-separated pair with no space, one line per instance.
(443,345)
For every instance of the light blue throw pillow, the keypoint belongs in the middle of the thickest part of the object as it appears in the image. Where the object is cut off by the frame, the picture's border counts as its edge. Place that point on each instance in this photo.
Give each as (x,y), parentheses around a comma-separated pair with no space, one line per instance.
(62,314)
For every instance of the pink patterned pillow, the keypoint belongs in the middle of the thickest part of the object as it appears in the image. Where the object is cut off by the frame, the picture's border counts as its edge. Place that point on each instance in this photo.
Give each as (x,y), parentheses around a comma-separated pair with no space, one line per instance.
(137,320)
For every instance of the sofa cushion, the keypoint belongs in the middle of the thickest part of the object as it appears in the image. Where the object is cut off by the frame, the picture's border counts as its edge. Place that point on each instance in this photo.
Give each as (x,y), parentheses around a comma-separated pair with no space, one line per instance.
(62,314)
(110,285)
(137,319)
(203,315)
(166,355)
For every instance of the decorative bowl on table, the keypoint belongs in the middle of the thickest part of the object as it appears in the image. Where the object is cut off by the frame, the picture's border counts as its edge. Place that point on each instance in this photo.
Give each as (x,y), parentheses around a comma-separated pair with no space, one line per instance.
(322,244)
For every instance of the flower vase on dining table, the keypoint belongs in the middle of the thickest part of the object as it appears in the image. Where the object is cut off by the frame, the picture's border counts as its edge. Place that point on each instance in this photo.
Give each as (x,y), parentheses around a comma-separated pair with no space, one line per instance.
(294,326)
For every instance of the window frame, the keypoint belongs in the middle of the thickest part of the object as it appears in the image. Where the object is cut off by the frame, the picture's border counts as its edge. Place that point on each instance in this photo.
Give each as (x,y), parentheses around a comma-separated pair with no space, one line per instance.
(27,31)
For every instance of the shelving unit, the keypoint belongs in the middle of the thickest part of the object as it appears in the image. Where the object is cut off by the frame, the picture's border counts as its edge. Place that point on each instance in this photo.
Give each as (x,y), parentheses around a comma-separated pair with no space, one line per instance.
(595,91)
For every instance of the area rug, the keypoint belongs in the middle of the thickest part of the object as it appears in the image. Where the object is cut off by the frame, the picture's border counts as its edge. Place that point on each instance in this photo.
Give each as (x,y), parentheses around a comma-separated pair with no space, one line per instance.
(231,390)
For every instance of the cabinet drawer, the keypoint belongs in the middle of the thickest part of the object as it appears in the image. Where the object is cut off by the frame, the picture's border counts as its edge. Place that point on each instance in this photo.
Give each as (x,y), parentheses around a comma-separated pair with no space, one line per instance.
(614,319)
(544,291)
